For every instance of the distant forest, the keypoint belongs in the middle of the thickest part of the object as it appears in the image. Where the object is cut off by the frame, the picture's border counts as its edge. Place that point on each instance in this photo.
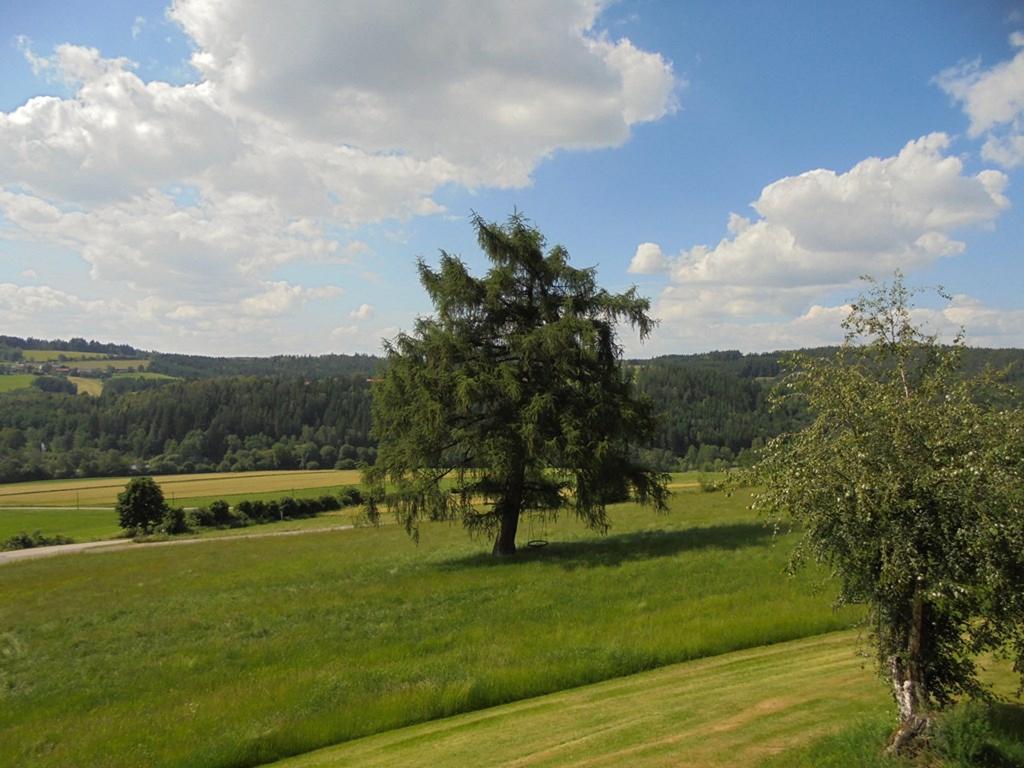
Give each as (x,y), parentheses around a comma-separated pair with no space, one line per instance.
(290,412)
(309,367)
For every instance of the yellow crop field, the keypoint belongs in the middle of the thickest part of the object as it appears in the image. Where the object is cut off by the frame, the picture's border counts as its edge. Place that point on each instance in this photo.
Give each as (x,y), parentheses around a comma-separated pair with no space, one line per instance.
(103,491)
(87,386)
(94,387)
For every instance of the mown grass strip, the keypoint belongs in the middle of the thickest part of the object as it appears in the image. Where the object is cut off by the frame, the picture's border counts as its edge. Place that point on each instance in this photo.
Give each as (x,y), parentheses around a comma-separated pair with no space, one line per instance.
(731,710)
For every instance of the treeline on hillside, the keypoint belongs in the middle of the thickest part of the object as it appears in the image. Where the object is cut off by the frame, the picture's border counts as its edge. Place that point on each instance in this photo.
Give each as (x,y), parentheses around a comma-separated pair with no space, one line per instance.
(232,424)
(713,408)
(306,366)
(767,365)
(71,345)
(712,412)
(705,413)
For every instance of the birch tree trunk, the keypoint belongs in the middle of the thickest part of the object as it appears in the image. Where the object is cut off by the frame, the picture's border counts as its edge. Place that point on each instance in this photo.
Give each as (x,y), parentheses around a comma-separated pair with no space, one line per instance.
(909,688)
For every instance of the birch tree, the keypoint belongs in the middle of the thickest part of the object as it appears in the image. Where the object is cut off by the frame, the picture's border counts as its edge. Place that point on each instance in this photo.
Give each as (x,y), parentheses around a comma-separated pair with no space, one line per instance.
(908,485)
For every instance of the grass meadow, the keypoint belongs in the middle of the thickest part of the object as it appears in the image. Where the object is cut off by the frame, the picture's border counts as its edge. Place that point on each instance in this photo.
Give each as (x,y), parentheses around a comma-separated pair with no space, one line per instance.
(13,381)
(78,524)
(239,652)
(737,709)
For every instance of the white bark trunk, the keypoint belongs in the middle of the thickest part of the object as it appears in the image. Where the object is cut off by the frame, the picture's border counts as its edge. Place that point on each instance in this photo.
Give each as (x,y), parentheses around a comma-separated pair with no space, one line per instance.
(908,686)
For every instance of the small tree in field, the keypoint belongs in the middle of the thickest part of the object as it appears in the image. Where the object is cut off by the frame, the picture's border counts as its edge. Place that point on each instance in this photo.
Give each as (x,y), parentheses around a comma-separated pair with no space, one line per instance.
(513,395)
(909,484)
(141,504)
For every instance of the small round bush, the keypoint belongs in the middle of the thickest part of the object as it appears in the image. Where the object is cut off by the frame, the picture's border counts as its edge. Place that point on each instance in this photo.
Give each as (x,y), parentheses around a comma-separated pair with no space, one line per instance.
(174,521)
(350,497)
(141,504)
(221,512)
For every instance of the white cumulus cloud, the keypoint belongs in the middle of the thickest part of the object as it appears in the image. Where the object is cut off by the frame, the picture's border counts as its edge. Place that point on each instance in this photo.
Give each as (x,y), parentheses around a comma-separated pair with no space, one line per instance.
(993,100)
(306,120)
(362,312)
(816,233)
(648,260)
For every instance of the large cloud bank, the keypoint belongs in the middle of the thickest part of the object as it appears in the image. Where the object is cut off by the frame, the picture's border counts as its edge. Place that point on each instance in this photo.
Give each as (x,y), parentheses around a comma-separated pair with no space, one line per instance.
(306,120)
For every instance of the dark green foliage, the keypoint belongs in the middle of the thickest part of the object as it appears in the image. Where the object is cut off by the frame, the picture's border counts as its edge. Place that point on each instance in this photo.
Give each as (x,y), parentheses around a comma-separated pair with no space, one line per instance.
(10,354)
(318,367)
(329,503)
(220,511)
(350,497)
(35,539)
(73,345)
(217,515)
(709,410)
(700,405)
(225,424)
(55,384)
(514,391)
(174,521)
(909,484)
(201,517)
(114,387)
(140,506)
(258,511)
(976,734)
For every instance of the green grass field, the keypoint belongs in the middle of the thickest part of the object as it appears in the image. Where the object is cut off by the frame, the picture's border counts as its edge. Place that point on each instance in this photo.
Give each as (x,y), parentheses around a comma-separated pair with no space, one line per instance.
(80,525)
(809,703)
(737,709)
(14,381)
(240,652)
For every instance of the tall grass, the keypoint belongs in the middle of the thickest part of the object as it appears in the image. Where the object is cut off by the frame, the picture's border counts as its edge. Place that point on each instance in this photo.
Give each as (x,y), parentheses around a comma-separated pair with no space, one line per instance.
(970,735)
(239,652)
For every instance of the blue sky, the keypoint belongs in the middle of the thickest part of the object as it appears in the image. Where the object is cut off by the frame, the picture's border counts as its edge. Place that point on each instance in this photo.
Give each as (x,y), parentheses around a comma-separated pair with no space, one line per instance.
(259,178)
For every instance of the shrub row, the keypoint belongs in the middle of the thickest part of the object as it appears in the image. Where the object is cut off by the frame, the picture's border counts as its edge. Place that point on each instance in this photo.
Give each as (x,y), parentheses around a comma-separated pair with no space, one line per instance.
(35,539)
(268,511)
(219,514)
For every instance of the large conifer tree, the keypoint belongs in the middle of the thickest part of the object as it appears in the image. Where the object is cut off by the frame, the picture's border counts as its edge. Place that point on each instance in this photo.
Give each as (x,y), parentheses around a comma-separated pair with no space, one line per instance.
(511,399)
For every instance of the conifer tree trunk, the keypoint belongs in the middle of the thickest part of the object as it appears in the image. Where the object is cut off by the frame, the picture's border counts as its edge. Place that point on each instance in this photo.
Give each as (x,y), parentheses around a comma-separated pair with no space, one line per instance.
(508,510)
(505,543)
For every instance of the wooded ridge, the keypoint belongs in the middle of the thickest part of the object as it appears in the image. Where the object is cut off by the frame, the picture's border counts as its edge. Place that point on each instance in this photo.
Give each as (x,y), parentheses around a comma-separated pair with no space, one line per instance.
(290,412)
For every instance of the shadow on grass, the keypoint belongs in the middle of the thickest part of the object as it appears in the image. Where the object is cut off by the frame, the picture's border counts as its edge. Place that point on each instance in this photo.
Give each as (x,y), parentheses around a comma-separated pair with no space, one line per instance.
(1007,722)
(623,547)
